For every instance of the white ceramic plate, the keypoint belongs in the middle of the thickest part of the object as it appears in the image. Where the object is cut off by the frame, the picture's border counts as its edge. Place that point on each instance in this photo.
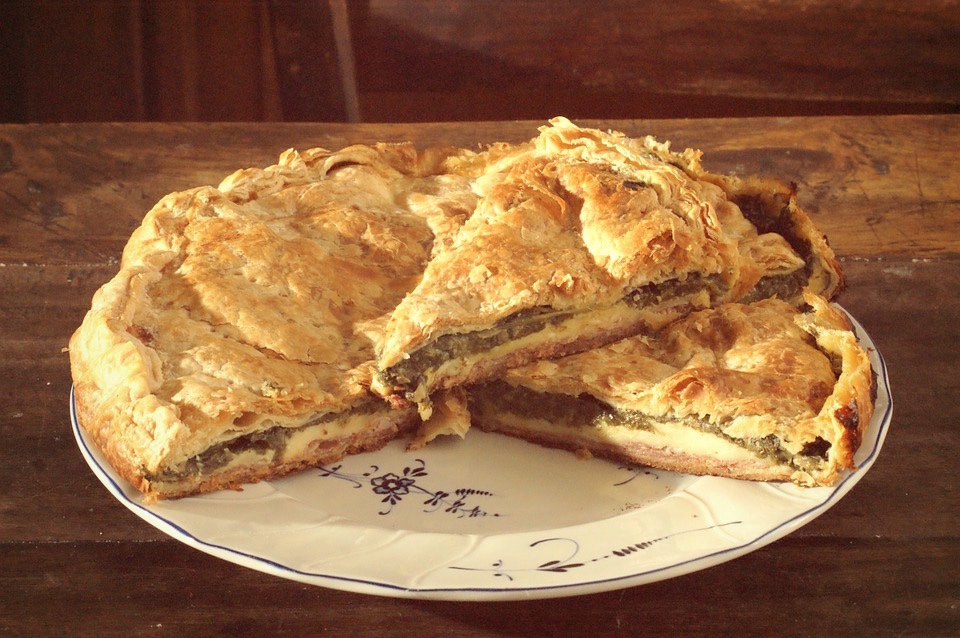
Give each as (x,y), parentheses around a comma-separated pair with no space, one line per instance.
(490,518)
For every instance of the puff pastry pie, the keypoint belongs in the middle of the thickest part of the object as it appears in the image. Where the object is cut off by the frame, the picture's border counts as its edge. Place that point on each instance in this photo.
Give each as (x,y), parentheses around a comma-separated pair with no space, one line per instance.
(582,237)
(311,309)
(236,342)
(757,391)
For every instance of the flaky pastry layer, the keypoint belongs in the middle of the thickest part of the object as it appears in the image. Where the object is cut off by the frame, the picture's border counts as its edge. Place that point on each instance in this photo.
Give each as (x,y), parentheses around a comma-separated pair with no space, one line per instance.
(759,391)
(580,222)
(247,323)
(255,306)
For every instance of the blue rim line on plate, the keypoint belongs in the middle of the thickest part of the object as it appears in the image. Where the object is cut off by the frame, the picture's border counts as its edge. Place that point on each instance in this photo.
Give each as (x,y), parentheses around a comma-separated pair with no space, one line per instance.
(363,585)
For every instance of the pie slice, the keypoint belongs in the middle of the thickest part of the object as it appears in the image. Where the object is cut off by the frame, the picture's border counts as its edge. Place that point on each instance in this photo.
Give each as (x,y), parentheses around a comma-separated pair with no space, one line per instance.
(236,342)
(581,238)
(758,391)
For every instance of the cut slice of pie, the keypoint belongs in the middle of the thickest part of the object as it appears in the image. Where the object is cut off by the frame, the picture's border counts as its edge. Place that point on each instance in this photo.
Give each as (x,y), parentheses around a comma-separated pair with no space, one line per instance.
(236,342)
(757,391)
(581,238)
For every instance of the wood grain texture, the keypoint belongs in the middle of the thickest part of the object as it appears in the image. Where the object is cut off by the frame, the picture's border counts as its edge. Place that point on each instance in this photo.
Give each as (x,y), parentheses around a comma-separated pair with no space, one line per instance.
(423,60)
(881,562)
(855,175)
(818,50)
(504,59)
(792,588)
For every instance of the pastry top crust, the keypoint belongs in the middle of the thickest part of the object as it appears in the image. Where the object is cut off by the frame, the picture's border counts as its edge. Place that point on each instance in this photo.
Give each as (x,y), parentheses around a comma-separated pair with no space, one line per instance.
(771,205)
(753,370)
(256,303)
(577,218)
(272,299)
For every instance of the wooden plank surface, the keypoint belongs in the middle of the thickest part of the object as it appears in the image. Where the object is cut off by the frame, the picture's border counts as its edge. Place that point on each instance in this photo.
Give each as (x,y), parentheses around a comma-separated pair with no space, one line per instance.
(882,561)
(790,589)
(855,175)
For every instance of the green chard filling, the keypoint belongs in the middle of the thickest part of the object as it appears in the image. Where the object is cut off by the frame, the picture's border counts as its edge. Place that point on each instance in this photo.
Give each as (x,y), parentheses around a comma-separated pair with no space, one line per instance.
(412,370)
(652,294)
(451,346)
(784,287)
(586,411)
(272,440)
(518,325)
(762,216)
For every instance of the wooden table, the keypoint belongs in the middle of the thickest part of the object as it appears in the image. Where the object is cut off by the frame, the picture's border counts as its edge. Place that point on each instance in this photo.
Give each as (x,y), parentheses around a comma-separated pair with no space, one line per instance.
(885,561)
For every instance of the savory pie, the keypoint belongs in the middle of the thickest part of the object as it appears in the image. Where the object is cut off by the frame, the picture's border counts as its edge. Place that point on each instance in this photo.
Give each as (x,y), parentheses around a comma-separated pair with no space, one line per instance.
(759,391)
(236,342)
(321,306)
(581,238)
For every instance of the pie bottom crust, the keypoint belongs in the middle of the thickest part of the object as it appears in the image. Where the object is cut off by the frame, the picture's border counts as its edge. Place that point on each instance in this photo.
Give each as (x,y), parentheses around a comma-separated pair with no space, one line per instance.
(661,458)
(381,428)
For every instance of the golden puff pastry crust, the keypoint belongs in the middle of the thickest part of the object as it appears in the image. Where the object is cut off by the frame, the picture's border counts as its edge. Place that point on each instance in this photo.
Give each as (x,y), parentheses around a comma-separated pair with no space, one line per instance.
(758,391)
(256,328)
(236,342)
(581,237)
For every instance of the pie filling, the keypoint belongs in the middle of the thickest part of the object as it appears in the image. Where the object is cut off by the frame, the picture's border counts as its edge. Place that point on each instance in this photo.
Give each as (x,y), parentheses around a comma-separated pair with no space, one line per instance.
(787,286)
(413,371)
(655,293)
(270,444)
(782,223)
(587,412)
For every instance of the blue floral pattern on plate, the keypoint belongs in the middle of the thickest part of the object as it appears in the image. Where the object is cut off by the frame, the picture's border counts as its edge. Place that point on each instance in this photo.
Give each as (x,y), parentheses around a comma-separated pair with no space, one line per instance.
(533,523)
(394,487)
(568,561)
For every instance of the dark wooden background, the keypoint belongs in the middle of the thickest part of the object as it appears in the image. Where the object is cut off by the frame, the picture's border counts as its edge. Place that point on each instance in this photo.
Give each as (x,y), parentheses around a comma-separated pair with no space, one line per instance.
(201,87)
(421,60)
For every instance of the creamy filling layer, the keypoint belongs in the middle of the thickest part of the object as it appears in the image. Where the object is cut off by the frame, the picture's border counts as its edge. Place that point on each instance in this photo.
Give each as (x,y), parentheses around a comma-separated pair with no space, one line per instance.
(413,371)
(423,363)
(274,444)
(585,412)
